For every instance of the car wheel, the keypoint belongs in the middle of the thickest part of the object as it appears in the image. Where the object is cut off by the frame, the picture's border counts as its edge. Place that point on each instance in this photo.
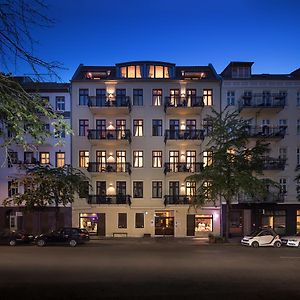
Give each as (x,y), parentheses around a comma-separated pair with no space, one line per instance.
(12,243)
(41,243)
(73,243)
(255,244)
(277,244)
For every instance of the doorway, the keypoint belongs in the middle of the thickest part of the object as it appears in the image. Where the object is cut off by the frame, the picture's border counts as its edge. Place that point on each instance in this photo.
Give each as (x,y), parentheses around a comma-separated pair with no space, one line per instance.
(164,223)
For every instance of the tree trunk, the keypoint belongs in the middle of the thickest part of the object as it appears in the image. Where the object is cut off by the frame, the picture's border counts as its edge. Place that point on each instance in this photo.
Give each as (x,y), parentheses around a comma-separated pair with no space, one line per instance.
(56,215)
(227,221)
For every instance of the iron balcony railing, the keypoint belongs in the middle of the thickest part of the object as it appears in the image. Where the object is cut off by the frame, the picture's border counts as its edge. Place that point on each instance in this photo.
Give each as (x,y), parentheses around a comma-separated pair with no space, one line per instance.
(176,199)
(117,134)
(104,101)
(183,102)
(263,101)
(270,163)
(196,167)
(109,167)
(189,134)
(109,199)
(272,197)
(267,131)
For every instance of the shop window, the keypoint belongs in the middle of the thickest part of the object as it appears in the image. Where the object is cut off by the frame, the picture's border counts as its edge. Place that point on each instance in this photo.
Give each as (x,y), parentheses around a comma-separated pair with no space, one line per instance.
(89,222)
(298,221)
(275,220)
(203,223)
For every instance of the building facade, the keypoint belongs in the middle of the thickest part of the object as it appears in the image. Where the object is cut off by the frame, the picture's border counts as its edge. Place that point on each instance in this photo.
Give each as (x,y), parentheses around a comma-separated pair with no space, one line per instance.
(14,217)
(139,131)
(271,103)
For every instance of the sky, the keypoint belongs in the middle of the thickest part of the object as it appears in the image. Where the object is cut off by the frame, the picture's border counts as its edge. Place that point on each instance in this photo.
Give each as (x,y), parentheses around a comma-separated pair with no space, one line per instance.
(189,32)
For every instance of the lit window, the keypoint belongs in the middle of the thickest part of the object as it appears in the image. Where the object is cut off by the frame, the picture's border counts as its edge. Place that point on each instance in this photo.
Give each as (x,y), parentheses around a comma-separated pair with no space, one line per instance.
(60,159)
(156,159)
(44,157)
(131,71)
(156,97)
(207,158)
(123,72)
(203,223)
(84,159)
(298,221)
(190,188)
(151,72)
(159,72)
(138,160)
(208,97)
(12,188)
(138,127)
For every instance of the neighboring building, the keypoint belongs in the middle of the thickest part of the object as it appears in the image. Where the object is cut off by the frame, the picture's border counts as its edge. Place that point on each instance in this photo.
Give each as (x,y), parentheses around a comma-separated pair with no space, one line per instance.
(139,131)
(272,104)
(15,217)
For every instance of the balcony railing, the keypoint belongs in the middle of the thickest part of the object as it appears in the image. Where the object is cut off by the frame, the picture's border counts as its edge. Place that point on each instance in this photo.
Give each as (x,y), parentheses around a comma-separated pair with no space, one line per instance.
(104,101)
(122,134)
(109,199)
(190,134)
(176,199)
(267,132)
(183,167)
(270,198)
(270,163)
(262,101)
(109,167)
(183,102)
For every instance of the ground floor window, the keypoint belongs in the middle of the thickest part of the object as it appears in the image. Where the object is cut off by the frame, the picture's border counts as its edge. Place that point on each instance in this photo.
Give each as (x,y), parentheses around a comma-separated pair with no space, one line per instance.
(298,221)
(203,223)
(275,219)
(89,222)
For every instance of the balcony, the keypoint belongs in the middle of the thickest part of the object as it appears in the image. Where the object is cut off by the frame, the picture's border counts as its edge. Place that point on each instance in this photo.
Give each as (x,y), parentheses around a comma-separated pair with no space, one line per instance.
(176,199)
(183,167)
(109,199)
(257,102)
(109,135)
(109,167)
(267,132)
(183,105)
(190,134)
(110,105)
(271,198)
(273,164)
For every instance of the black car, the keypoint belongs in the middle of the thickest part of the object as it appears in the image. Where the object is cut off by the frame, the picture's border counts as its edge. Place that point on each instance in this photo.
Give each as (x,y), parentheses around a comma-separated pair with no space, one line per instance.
(67,236)
(12,238)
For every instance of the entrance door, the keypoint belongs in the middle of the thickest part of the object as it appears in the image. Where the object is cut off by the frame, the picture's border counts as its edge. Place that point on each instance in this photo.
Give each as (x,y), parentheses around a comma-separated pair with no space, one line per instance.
(190,225)
(101,224)
(164,223)
(236,222)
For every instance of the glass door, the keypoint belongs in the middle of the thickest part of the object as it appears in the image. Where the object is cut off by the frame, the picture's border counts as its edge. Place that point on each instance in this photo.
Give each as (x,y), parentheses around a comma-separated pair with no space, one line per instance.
(121,161)
(101,160)
(174,160)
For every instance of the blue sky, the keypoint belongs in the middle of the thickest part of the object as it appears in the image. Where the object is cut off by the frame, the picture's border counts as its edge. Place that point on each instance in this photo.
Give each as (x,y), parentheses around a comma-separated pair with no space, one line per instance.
(190,32)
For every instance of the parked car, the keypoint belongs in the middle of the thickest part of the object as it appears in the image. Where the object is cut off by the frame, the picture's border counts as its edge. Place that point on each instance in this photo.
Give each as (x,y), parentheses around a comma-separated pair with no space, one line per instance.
(291,241)
(67,236)
(262,238)
(12,238)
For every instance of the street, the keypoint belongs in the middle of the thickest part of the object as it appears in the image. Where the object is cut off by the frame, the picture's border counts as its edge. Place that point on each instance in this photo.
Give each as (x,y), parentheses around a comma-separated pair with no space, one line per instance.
(149,269)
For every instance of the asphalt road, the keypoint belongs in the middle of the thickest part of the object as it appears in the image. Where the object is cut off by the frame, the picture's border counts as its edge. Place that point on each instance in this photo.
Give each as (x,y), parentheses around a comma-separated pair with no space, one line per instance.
(149,269)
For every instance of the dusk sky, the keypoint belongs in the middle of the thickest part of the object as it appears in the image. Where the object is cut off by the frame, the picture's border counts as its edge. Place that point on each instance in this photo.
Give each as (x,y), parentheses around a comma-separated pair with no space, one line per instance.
(190,32)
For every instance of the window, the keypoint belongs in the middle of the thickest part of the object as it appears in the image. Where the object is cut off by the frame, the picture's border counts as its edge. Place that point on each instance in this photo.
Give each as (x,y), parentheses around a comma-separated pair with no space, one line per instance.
(298,126)
(275,219)
(122,220)
(138,160)
(298,187)
(84,189)
(29,158)
(283,186)
(44,157)
(203,223)
(156,127)
(121,99)
(12,188)
(190,188)
(231,98)
(156,189)
(138,127)
(282,153)
(130,72)
(190,157)
(207,158)
(158,71)
(46,127)
(59,159)
(298,98)
(84,159)
(137,97)
(12,158)
(138,189)
(207,187)
(59,133)
(208,97)
(174,160)
(157,97)
(298,156)
(83,96)
(83,127)
(240,72)
(156,159)
(100,97)
(60,103)
(298,221)
(207,126)
(139,220)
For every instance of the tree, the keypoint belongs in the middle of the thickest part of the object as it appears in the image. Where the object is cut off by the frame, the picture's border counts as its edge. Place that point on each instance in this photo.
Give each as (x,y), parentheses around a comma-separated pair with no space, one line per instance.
(297,179)
(46,186)
(235,166)
(21,113)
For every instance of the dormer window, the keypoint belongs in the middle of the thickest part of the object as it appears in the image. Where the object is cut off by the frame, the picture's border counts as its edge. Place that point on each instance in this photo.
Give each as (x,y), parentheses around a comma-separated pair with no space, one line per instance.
(158,72)
(241,72)
(131,72)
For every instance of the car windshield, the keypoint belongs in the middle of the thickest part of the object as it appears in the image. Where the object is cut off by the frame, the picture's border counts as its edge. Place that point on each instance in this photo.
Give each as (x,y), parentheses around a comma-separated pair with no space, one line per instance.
(255,232)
